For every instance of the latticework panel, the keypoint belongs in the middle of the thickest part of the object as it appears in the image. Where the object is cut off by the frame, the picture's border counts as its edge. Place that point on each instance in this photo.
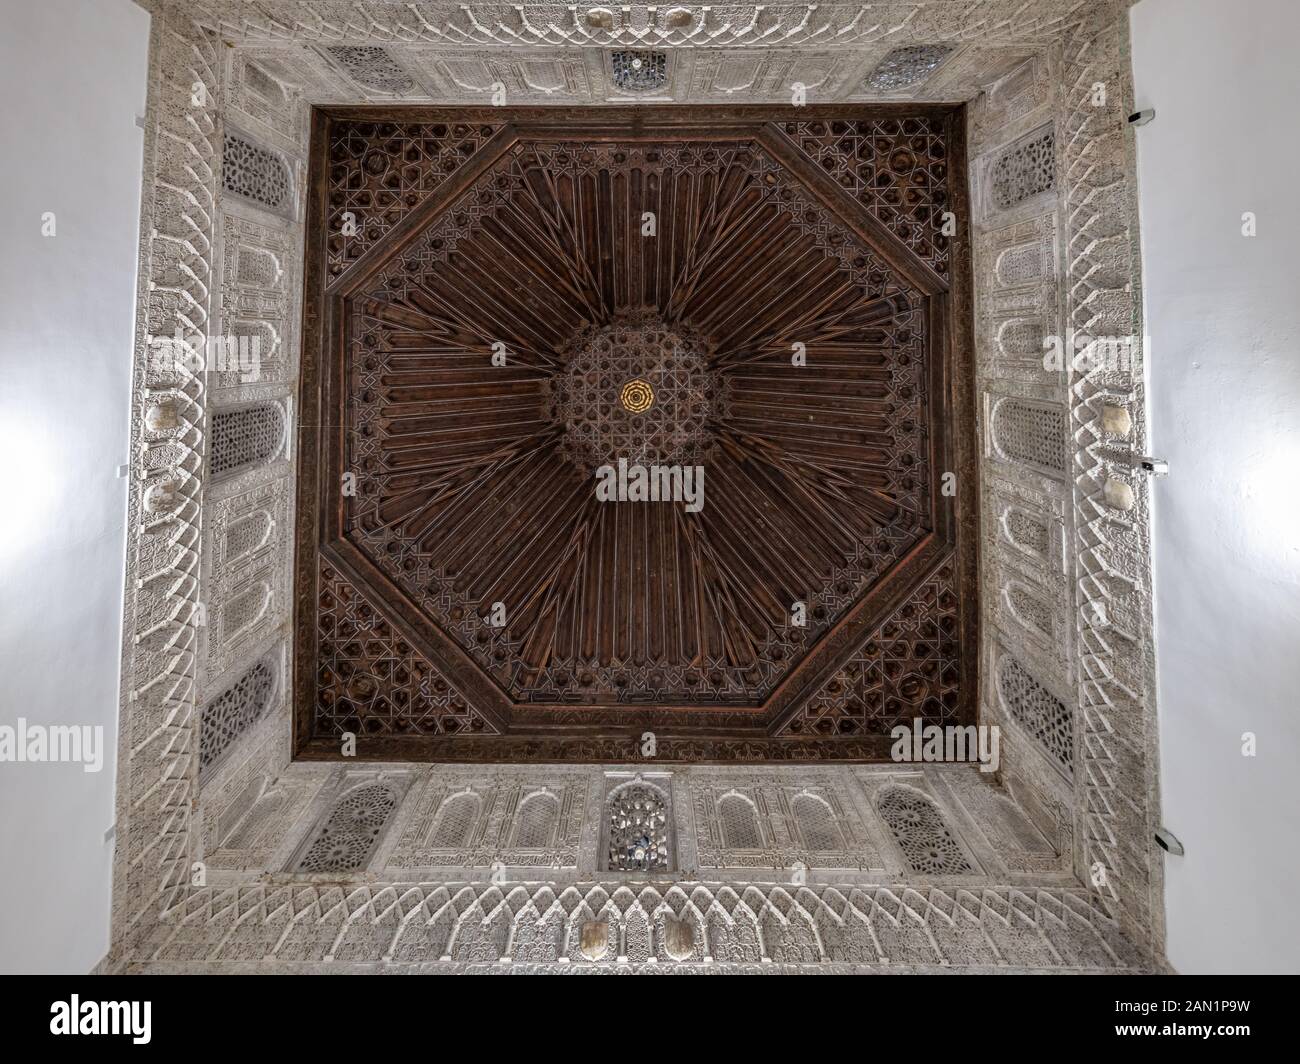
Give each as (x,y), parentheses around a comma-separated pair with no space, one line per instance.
(907,66)
(739,823)
(638,830)
(1024,170)
(816,823)
(255,173)
(457,819)
(233,712)
(1033,433)
(918,827)
(372,67)
(245,437)
(346,839)
(536,821)
(1038,711)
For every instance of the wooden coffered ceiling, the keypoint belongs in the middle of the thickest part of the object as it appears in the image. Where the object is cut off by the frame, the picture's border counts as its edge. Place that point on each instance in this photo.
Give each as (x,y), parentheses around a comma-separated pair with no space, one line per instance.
(501,301)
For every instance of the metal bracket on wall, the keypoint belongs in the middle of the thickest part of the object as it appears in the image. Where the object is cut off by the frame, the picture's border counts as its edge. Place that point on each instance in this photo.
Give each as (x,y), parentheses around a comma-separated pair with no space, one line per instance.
(1156,467)
(1168,842)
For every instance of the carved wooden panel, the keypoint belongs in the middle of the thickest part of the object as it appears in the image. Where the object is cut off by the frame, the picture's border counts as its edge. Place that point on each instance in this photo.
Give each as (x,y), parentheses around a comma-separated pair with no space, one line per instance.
(632,423)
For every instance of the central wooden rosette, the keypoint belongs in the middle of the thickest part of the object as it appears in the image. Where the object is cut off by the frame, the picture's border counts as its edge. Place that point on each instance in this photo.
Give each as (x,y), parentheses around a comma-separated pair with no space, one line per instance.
(639,389)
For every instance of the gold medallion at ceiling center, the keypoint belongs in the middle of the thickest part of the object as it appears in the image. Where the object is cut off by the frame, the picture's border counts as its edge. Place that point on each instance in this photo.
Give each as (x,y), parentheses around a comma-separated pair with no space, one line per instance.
(637,396)
(615,372)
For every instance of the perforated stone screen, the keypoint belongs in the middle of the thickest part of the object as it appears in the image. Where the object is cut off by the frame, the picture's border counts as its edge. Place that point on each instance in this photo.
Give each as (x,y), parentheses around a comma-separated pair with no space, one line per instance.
(638,829)
(1032,433)
(344,842)
(255,173)
(1038,711)
(245,437)
(1024,170)
(904,67)
(373,67)
(922,835)
(233,712)
(639,71)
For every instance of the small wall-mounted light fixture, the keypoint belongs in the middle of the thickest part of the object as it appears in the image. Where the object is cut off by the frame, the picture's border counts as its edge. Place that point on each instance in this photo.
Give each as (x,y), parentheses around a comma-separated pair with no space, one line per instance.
(1168,842)
(1141,118)
(1156,467)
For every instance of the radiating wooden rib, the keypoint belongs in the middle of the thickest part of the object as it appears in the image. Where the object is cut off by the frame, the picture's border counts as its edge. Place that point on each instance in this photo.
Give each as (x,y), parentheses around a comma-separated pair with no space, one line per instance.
(479,556)
(527,559)
(531,232)
(474,536)
(536,335)
(458,483)
(549,599)
(560,232)
(764,306)
(727,635)
(839,316)
(794,480)
(732,323)
(747,558)
(763,239)
(566,300)
(787,532)
(714,231)
(520,326)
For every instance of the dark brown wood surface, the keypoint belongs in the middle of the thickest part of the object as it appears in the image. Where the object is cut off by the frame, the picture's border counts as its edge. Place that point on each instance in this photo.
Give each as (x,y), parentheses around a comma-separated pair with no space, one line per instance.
(440,490)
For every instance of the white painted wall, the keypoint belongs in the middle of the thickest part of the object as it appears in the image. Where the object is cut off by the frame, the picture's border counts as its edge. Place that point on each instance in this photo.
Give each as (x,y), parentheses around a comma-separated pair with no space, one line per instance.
(72,78)
(1223,314)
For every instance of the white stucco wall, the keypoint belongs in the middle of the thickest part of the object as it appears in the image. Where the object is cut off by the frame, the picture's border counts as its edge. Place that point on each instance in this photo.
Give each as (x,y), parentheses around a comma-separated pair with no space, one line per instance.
(73,75)
(1223,314)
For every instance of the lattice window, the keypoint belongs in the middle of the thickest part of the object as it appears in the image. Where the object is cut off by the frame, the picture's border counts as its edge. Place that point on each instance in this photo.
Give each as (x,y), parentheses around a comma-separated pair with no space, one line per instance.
(245,437)
(636,71)
(1043,716)
(536,821)
(345,841)
(374,68)
(638,829)
(233,712)
(739,822)
(816,823)
(1024,170)
(1032,433)
(922,835)
(907,66)
(255,173)
(456,821)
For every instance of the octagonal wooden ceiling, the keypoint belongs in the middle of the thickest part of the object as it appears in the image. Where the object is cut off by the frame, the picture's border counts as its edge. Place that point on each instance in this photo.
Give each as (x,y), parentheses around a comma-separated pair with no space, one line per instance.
(500,303)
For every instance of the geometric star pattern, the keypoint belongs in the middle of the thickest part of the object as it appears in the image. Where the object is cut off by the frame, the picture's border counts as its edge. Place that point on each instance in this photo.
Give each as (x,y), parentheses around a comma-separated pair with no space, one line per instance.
(784,340)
